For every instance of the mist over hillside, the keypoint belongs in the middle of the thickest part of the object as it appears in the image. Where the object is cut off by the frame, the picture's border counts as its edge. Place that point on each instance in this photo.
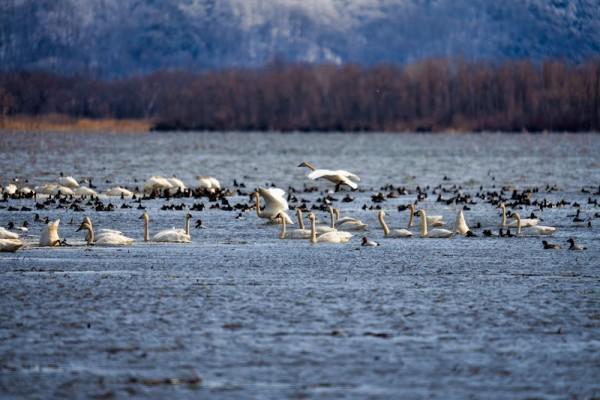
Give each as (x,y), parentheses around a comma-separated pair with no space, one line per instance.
(124,37)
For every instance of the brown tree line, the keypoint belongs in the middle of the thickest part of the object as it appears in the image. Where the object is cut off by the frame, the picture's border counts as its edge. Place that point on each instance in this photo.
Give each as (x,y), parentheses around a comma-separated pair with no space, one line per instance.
(432,95)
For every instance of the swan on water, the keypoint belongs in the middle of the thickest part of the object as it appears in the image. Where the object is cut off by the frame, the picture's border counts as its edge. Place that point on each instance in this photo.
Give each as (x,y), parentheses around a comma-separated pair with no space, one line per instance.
(338,177)
(292,233)
(85,191)
(532,229)
(68,181)
(10,245)
(114,238)
(6,234)
(168,235)
(208,183)
(348,223)
(327,237)
(156,183)
(49,235)
(431,233)
(525,222)
(432,220)
(10,189)
(391,233)
(119,192)
(54,190)
(177,183)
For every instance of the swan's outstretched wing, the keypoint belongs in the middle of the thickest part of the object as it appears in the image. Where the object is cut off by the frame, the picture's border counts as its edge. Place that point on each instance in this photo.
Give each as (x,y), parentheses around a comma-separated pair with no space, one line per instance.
(348,182)
(347,174)
(274,198)
(321,173)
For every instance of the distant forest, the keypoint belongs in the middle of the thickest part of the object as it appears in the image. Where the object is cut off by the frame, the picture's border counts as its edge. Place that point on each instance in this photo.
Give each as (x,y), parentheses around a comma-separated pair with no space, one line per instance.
(433,95)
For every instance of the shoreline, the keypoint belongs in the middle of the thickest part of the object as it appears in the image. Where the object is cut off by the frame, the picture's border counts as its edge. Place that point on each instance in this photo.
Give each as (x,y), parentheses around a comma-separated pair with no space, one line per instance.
(55,123)
(66,124)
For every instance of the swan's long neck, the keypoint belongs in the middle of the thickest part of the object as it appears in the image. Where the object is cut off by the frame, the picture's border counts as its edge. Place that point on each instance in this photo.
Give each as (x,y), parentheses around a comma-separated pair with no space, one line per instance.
(283,228)
(187,225)
(146,230)
(258,212)
(411,209)
(518,217)
(313,231)
(332,217)
(89,238)
(386,229)
(423,223)
(309,166)
(300,219)
(503,214)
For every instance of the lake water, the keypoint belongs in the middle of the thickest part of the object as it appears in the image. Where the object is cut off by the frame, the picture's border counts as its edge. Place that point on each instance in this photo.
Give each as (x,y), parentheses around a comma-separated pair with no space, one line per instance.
(258,317)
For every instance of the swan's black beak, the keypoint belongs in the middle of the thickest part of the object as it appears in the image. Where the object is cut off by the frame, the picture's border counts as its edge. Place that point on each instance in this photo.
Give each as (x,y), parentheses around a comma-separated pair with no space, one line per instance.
(141,216)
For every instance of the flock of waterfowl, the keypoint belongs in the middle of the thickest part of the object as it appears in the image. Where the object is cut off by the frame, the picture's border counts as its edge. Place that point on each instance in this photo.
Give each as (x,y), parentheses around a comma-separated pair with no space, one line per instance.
(273,205)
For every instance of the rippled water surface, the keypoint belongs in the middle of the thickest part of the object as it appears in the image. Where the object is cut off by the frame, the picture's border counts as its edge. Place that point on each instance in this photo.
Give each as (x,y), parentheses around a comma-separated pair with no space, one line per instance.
(258,317)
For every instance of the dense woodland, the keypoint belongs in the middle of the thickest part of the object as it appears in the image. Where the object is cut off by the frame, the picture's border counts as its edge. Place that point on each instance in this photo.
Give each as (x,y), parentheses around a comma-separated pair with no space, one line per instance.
(432,95)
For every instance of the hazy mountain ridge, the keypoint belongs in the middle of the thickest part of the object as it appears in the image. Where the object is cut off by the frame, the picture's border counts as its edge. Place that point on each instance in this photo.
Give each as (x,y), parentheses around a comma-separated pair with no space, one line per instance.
(122,37)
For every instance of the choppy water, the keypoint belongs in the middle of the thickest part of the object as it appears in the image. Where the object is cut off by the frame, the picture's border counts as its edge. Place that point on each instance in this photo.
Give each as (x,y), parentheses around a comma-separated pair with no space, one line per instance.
(257,317)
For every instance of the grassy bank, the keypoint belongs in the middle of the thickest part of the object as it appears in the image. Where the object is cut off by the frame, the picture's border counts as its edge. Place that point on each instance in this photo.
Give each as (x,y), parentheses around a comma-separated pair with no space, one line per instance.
(62,123)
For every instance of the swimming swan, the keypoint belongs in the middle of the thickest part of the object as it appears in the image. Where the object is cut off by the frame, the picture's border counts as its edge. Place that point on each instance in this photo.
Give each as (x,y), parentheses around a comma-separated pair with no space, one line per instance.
(535,229)
(107,239)
(156,183)
(119,192)
(433,233)
(68,181)
(168,235)
(432,220)
(338,237)
(208,183)
(293,233)
(339,177)
(6,234)
(391,233)
(49,235)
(348,223)
(525,222)
(10,245)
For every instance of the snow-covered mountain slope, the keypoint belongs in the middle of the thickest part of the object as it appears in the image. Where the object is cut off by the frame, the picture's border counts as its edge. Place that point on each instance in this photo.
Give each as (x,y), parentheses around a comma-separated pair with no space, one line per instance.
(123,37)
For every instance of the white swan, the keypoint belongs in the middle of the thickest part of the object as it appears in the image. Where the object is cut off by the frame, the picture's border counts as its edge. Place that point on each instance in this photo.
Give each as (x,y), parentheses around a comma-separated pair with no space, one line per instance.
(177,183)
(339,177)
(432,233)
(432,220)
(156,183)
(525,222)
(52,189)
(168,235)
(348,223)
(208,183)
(68,181)
(535,229)
(292,233)
(6,234)
(49,235)
(391,233)
(107,239)
(85,191)
(99,232)
(337,237)
(275,203)
(460,225)
(10,189)
(10,245)
(118,192)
